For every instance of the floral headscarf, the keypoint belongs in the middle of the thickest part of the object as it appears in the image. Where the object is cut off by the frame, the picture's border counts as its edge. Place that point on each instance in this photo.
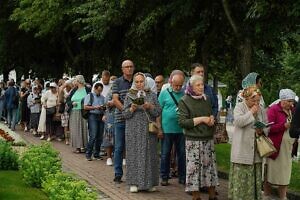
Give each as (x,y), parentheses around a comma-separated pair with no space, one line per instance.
(249,80)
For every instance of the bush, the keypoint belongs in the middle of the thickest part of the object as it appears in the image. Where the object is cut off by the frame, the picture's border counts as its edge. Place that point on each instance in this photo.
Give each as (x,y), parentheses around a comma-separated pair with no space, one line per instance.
(8,157)
(38,162)
(64,186)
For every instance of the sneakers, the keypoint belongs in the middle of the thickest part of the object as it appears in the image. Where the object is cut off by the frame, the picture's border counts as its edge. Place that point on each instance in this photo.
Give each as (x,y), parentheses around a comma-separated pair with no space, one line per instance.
(133,189)
(89,158)
(98,157)
(42,137)
(164,182)
(109,162)
(49,139)
(124,162)
(117,179)
(153,189)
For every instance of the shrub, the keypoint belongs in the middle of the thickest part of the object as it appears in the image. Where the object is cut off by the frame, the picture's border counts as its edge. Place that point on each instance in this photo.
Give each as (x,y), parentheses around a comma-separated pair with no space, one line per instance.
(8,157)
(64,186)
(38,162)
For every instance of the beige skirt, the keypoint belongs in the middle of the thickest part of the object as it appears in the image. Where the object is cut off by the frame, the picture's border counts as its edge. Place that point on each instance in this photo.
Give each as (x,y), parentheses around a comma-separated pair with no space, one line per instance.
(279,170)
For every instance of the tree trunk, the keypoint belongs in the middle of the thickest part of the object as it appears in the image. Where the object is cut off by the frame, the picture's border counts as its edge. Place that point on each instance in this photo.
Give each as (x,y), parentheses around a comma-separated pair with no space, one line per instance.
(245,56)
(159,62)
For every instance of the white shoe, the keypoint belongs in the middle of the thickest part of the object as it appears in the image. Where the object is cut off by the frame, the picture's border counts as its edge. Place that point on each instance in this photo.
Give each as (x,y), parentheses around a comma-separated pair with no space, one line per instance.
(49,139)
(153,189)
(42,137)
(133,189)
(109,162)
(124,162)
(34,132)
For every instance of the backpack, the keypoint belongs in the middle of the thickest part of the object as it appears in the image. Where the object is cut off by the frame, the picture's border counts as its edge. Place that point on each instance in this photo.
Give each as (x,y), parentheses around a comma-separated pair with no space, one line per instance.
(85,113)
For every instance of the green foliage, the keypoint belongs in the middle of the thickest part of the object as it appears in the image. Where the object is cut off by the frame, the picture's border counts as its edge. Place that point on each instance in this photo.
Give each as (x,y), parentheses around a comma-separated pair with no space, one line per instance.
(38,162)
(12,187)
(64,186)
(8,157)
(40,15)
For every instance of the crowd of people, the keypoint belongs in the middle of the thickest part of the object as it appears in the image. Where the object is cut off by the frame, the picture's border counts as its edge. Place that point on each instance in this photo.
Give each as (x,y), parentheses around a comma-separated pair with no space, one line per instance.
(115,114)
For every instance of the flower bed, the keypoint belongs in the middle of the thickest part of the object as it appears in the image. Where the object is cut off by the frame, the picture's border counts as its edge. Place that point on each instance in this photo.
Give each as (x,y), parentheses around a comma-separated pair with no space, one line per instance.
(6,136)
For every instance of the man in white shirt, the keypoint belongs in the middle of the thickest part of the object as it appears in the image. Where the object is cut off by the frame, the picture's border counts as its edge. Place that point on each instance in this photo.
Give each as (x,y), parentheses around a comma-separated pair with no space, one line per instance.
(105,81)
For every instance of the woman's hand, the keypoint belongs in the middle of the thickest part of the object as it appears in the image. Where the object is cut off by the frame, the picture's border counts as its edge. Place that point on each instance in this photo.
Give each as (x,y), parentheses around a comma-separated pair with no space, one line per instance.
(147,106)
(254,109)
(287,125)
(74,104)
(160,134)
(259,131)
(199,120)
(211,121)
(133,107)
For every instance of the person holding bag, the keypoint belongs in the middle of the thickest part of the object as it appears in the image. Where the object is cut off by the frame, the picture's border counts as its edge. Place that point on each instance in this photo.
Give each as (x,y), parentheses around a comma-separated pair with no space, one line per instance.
(142,160)
(279,164)
(49,101)
(245,176)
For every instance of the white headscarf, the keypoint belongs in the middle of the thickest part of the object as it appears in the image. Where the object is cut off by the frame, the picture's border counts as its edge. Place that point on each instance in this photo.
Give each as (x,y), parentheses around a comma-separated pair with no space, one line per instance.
(287,94)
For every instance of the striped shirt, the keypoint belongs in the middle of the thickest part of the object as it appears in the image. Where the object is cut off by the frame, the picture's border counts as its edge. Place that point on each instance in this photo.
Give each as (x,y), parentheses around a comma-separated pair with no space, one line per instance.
(120,87)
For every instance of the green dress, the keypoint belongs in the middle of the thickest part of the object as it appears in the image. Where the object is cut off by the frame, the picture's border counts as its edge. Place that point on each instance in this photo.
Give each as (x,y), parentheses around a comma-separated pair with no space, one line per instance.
(245,182)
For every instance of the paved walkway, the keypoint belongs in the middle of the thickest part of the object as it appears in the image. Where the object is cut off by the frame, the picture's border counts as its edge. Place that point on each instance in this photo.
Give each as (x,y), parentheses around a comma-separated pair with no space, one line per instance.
(101,177)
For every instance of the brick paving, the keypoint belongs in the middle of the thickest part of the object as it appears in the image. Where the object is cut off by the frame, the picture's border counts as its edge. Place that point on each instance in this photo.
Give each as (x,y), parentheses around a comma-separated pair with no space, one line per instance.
(100,176)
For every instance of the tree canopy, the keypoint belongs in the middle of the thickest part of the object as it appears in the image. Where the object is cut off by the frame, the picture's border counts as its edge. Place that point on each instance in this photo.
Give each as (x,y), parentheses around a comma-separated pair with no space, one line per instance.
(230,38)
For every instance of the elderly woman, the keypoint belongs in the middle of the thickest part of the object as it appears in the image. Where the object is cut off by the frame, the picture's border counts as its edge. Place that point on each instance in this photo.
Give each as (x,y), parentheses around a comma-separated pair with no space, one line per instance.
(245,177)
(196,118)
(49,101)
(64,92)
(279,164)
(141,154)
(78,125)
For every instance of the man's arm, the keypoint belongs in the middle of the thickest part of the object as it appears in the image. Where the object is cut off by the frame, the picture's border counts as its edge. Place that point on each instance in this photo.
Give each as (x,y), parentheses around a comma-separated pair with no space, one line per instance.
(117,102)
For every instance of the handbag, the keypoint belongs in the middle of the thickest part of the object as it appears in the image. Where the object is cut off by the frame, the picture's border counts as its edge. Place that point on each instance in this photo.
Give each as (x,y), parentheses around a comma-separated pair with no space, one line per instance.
(152,126)
(221,135)
(51,110)
(61,108)
(265,146)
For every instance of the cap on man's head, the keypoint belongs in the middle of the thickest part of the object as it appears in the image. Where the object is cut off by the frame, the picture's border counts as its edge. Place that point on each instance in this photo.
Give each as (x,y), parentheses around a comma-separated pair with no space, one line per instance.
(53,84)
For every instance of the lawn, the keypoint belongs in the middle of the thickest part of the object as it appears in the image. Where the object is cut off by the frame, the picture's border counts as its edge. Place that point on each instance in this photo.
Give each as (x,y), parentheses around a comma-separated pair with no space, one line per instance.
(12,187)
(223,162)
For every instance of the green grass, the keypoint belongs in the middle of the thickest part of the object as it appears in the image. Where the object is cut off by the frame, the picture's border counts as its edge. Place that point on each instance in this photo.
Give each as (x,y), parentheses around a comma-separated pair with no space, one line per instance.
(223,157)
(12,187)
(295,177)
(223,163)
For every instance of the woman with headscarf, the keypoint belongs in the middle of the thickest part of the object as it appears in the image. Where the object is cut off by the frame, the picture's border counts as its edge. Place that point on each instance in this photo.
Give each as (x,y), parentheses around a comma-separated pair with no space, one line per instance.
(78,125)
(279,164)
(195,116)
(245,176)
(252,79)
(141,153)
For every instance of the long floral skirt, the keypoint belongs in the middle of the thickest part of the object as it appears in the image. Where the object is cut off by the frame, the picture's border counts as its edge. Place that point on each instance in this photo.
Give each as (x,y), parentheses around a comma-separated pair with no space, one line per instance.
(245,181)
(201,167)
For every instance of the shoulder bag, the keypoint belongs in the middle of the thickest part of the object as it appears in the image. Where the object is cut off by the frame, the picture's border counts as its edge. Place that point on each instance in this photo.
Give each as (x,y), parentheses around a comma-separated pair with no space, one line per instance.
(265,145)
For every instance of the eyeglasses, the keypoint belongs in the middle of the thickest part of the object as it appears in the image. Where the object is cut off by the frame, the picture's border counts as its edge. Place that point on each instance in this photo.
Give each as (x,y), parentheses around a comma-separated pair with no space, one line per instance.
(128,66)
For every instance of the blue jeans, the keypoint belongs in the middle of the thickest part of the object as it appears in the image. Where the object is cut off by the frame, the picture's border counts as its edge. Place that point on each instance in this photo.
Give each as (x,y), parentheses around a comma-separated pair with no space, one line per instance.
(166,147)
(96,128)
(119,148)
(11,118)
